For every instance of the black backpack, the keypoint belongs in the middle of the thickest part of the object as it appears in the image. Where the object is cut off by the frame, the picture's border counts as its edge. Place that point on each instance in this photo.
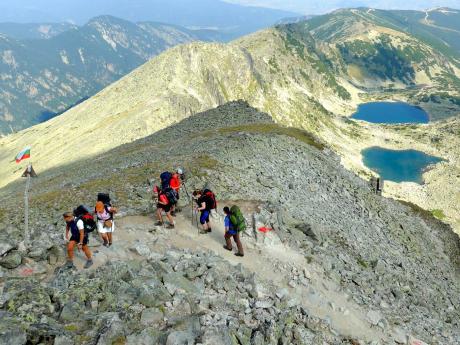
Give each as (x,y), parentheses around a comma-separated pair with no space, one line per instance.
(172,195)
(84,214)
(104,198)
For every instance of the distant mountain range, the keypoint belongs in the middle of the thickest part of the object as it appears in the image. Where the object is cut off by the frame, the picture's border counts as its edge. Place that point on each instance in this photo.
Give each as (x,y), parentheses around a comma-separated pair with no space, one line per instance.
(320,7)
(44,77)
(235,19)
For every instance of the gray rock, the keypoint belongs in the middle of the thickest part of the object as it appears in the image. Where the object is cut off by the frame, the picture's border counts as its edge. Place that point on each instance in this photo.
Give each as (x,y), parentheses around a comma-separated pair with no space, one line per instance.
(11,260)
(148,336)
(214,336)
(181,338)
(374,317)
(177,282)
(5,247)
(13,337)
(141,249)
(63,340)
(151,316)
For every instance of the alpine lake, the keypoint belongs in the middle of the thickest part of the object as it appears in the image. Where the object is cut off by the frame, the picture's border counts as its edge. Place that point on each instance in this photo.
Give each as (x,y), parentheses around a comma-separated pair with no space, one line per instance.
(395,165)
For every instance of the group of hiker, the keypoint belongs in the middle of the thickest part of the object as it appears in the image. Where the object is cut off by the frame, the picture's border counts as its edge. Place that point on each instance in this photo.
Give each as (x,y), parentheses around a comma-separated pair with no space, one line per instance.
(80,223)
(83,221)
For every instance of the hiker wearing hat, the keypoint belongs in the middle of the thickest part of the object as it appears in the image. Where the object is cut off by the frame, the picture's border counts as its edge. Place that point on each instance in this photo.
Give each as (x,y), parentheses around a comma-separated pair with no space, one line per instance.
(231,230)
(105,224)
(77,237)
(163,204)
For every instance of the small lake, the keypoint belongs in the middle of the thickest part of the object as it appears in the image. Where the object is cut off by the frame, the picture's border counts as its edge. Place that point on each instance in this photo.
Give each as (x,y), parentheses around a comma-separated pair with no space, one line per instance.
(398,166)
(391,113)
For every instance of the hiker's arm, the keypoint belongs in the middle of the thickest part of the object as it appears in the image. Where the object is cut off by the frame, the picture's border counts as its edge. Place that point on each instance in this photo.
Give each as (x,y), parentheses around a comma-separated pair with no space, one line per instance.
(67,232)
(203,206)
(82,235)
(113,210)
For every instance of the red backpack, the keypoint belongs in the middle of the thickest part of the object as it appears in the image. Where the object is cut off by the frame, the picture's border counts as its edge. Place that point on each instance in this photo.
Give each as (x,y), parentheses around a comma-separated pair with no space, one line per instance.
(211,202)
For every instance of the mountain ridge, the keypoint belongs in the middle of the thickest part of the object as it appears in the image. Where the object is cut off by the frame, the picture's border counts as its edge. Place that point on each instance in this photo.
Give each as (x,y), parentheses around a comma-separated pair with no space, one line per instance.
(292,75)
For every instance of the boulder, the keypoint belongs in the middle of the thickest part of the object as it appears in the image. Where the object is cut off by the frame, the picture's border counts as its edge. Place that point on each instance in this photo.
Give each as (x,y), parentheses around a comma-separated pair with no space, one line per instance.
(213,336)
(5,246)
(151,316)
(11,260)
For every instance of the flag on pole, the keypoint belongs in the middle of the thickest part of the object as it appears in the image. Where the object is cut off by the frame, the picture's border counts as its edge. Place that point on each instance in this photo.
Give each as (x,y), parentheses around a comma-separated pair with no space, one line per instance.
(24,154)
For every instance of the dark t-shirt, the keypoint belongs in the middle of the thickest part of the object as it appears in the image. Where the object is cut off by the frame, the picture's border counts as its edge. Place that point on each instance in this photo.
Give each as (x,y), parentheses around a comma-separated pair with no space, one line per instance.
(204,199)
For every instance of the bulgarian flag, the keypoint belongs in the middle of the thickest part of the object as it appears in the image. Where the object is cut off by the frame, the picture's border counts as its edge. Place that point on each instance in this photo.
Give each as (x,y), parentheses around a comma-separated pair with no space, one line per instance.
(24,154)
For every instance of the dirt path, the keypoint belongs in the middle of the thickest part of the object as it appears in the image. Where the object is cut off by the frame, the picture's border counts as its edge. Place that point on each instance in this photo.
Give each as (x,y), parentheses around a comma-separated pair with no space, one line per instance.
(273,262)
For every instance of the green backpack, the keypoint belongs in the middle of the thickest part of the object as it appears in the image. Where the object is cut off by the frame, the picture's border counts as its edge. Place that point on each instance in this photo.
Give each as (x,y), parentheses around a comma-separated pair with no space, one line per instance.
(237,218)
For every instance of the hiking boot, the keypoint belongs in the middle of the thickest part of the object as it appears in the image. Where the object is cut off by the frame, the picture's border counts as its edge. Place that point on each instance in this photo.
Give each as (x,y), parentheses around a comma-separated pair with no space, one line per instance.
(106,244)
(110,244)
(159,223)
(69,264)
(239,254)
(203,232)
(170,226)
(209,230)
(227,248)
(88,264)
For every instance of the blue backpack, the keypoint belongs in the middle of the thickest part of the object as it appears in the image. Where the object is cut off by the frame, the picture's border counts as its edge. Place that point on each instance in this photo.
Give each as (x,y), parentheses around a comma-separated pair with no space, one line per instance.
(165,178)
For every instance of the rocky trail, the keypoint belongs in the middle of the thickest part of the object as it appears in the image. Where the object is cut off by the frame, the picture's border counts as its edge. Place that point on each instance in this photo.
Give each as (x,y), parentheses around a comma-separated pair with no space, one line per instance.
(137,238)
(342,265)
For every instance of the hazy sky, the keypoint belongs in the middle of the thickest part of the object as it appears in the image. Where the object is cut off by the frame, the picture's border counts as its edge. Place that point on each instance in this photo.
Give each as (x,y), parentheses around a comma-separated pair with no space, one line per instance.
(314,6)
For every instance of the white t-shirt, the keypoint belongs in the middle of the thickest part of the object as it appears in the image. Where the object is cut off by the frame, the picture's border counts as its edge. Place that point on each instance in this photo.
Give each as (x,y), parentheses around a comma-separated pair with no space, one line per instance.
(80,225)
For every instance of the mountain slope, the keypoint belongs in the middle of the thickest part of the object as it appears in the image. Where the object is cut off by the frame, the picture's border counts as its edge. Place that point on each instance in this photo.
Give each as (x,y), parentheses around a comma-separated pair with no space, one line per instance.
(341,265)
(34,31)
(43,77)
(309,75)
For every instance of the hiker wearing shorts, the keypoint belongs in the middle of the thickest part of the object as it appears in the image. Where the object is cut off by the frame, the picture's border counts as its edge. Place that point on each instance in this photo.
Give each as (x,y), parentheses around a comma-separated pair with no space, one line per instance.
(75,234)
(230,232)
(105,224)
(163,205)
(205,211)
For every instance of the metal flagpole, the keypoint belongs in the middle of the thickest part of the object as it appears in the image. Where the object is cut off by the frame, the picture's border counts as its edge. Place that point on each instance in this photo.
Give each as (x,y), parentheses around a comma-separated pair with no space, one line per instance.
(28,173)
(26,209)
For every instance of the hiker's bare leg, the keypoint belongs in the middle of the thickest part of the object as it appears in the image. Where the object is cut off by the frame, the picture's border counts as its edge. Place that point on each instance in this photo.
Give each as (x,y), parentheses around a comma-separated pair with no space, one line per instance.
(170,218)
(228,241)
(159,218)
(70,250)
(109,237)
(87,252)
(105,237)
(239,245)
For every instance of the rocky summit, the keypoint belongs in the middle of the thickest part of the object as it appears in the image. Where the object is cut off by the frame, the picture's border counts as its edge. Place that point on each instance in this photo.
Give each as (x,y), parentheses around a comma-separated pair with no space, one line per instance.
(334,264)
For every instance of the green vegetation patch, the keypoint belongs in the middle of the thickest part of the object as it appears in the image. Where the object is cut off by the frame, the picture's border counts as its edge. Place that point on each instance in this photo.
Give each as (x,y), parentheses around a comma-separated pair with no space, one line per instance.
(274,129)
(438,214)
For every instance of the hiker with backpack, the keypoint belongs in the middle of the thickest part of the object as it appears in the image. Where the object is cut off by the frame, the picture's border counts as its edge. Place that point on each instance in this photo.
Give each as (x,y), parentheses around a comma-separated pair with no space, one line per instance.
(77,236)
(206,201)
(234,224)
(105,224)
(163,205)
(170,185)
